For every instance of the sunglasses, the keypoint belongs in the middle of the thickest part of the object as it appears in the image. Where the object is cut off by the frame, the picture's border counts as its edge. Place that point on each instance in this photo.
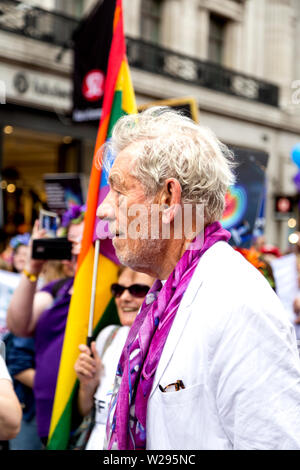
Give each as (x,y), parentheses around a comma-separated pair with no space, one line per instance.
(136,290)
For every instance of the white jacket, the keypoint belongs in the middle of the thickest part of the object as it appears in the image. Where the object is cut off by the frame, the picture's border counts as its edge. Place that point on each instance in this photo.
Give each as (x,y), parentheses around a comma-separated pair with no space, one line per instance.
(235,350)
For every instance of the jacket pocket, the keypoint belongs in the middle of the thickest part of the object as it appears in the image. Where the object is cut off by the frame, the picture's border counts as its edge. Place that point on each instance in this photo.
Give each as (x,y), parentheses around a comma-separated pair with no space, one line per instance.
(183,417)
(181,397)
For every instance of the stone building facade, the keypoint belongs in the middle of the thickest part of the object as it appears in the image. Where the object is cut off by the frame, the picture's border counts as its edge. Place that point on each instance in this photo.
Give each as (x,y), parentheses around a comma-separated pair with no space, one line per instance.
(248,49)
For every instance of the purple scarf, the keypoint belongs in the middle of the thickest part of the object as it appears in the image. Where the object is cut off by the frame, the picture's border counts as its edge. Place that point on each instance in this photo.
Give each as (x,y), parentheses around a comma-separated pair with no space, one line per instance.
(126,425)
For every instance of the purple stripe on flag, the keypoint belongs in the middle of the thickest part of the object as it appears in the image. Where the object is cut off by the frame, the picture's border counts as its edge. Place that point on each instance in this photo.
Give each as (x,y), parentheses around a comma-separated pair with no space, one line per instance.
(103,193)
(107,249)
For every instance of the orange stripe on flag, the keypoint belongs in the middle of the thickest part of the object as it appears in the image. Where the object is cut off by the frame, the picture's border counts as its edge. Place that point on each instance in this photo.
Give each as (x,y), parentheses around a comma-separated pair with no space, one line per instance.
(117,16)
(93,194)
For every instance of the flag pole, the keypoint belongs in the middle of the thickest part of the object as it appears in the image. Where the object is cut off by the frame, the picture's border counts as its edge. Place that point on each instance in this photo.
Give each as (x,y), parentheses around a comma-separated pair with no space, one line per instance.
(93,293)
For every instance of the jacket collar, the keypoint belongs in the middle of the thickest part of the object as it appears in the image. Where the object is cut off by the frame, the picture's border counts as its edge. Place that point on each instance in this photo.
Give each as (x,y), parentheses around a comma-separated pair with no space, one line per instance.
(207,262)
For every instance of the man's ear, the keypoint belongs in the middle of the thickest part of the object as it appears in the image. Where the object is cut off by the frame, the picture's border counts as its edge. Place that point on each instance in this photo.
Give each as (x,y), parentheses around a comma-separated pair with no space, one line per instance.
(170,200)
(169,214)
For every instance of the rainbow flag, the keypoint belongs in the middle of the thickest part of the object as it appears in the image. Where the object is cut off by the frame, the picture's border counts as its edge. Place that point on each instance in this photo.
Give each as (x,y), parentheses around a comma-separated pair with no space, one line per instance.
(119,100)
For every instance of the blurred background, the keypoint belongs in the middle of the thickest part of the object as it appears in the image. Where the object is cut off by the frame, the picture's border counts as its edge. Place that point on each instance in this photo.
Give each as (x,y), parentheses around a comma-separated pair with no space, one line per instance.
(236,60)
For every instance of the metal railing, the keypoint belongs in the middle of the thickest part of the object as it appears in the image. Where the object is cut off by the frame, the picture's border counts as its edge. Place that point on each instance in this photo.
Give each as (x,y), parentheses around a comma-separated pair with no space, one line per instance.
(57,29)
(35,23)
(155,59)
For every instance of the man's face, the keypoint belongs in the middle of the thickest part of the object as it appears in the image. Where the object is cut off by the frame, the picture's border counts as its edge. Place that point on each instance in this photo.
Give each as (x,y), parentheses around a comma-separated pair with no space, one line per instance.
(131,240)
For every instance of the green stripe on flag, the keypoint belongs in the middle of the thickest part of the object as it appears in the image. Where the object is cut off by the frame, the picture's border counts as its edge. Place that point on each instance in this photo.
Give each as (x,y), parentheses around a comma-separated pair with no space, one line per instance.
(116,112)
(109,317)
(61,434)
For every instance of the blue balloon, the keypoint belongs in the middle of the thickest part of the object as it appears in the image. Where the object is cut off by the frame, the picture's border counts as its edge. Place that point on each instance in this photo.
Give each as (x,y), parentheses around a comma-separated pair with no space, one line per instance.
(296,155)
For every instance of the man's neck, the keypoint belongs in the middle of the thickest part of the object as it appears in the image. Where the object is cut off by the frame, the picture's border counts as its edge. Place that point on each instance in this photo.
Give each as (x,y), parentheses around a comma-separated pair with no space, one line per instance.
(170,258)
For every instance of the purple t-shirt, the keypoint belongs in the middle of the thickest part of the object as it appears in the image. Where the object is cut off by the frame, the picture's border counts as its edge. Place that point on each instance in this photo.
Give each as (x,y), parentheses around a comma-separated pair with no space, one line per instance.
(49,336)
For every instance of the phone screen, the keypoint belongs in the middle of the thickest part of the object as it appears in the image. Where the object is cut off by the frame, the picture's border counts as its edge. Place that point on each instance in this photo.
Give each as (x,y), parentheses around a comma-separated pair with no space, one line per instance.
(48,222)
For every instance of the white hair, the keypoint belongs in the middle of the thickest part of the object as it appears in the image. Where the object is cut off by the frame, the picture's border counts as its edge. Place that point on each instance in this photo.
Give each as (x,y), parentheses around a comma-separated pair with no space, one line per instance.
(173,146)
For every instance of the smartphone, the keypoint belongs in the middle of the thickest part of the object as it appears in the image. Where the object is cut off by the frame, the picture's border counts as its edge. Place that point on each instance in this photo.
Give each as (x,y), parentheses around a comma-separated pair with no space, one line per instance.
(49,222)
(52,248)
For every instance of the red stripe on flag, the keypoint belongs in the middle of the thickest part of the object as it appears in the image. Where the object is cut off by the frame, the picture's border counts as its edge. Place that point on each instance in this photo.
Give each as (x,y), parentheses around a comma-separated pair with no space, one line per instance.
(116,56)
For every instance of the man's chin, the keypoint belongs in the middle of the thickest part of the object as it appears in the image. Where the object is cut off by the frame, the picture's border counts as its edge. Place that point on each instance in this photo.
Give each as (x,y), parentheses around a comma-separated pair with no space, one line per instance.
(120,247)
(126,256)
(117,243)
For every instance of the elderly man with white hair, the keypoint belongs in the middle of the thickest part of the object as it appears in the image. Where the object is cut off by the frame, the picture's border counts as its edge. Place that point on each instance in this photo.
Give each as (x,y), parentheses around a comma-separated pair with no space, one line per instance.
(211,360)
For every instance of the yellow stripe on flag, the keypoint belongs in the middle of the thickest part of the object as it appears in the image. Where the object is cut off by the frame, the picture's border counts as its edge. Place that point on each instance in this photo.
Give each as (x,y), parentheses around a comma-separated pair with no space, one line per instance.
(77,324)
(124,84)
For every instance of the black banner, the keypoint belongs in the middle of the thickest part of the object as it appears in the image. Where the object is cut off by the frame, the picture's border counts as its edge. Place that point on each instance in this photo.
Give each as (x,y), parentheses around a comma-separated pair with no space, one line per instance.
(64,190)
(92,41)
(244,199)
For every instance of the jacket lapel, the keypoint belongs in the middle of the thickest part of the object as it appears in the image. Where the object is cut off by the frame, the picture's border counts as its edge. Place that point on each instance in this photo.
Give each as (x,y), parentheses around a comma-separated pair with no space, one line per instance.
(178,326)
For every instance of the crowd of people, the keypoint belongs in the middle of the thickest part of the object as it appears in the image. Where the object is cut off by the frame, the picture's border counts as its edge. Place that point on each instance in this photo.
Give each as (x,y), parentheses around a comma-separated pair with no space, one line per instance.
(36,320)
(200,323)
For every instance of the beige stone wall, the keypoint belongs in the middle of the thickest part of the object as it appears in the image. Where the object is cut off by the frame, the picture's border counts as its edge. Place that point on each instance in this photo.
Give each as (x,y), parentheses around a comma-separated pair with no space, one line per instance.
(296,23)
(35,54)
(132,17)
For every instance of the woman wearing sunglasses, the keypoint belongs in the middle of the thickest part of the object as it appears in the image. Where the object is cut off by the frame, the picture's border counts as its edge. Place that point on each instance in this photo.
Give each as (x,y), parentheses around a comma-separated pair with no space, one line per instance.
(96,367)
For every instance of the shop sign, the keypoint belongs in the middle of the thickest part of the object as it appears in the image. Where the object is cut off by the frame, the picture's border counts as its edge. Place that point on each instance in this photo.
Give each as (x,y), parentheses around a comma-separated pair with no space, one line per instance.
(33,88)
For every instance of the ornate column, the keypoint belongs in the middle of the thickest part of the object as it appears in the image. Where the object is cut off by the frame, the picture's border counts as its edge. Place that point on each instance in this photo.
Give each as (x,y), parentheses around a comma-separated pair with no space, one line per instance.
(188,26)
(132,17)
(202,33)
(233,54)
(279,46)
(171,19)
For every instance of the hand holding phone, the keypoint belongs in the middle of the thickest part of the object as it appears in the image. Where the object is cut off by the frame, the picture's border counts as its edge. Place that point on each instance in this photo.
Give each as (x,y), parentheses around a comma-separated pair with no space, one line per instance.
(33,265)
(45,244)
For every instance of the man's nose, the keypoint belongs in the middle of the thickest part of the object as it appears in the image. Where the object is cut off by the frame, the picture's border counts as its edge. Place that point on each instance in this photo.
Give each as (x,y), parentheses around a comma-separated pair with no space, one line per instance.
(106,209)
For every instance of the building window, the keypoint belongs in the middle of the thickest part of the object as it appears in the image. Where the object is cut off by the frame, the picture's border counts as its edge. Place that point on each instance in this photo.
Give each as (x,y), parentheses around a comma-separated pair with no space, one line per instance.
(217,26)
(151,13)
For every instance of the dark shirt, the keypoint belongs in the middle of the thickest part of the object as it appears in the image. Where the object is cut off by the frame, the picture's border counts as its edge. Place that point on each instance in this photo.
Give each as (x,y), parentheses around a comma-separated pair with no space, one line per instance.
(20,355)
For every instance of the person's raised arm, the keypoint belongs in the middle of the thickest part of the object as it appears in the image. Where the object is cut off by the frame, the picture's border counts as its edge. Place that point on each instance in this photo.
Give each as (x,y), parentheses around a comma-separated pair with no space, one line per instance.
(26,305)
(10,411)
(10,408)
(88,370)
